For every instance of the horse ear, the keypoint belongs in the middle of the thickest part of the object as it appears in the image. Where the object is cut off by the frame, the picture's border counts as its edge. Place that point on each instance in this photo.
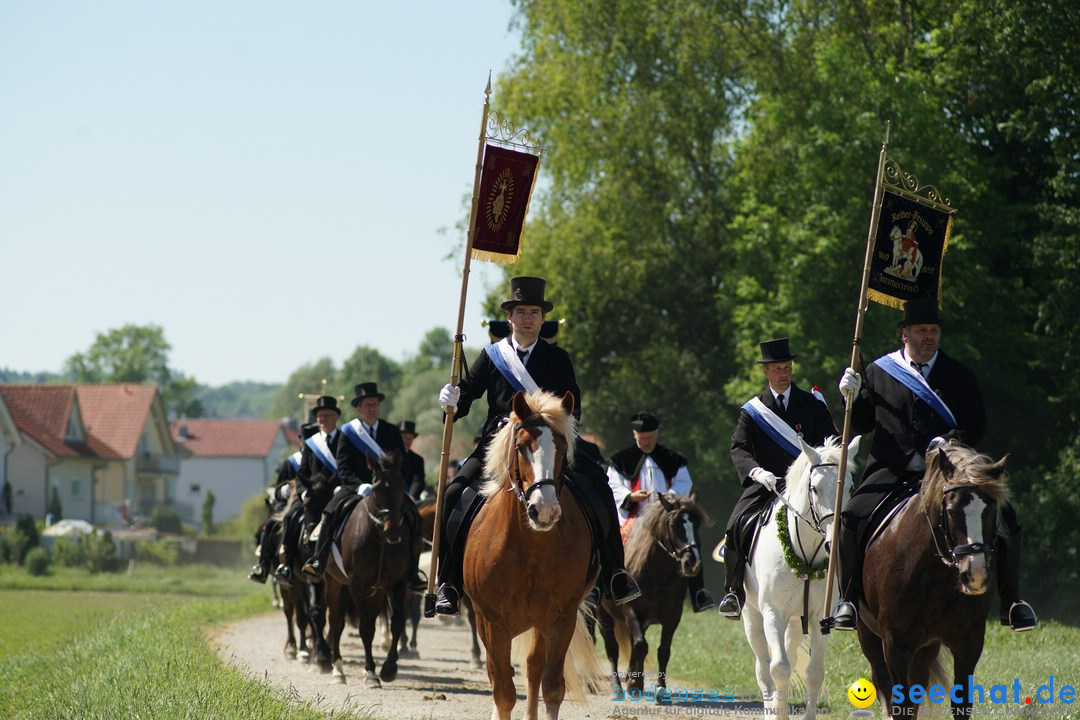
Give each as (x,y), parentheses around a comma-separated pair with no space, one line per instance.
(998,468)
(393,458)
(519,405)
(568,402)
(693,496)
(853,446)
(372,463)
(941,459)
(810,452)
(668,506)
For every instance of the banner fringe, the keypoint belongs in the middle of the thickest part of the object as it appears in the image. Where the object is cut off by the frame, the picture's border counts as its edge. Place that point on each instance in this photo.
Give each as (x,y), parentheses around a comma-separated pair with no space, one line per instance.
(496,257)
(880,297)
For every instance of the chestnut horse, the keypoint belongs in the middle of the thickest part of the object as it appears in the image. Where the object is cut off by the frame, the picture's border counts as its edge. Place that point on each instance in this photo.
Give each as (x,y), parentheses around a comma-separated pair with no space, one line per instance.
(375,556)
(662,551)
(529,560)
(925,577)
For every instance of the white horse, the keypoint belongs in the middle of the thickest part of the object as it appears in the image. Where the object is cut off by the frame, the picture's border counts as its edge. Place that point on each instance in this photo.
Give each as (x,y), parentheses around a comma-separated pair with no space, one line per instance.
(778,597)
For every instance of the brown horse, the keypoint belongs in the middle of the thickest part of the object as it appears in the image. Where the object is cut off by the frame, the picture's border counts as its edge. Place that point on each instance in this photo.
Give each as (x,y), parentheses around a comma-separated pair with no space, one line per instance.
(925,578)
(375,557)
(662,551)
(528,558)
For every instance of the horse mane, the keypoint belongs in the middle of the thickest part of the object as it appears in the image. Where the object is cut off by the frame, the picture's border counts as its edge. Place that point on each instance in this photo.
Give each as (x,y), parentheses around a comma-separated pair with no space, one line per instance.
(971,467)
(549,407)
(829,452)
(650,525)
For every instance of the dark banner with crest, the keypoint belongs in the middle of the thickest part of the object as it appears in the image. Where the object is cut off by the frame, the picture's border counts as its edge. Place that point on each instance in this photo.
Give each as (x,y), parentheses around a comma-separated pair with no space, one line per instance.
(505,188)
(909,248)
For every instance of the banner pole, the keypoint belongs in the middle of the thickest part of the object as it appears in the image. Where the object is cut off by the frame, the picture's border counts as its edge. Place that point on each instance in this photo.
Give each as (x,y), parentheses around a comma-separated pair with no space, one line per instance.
(871,236)
(448,421)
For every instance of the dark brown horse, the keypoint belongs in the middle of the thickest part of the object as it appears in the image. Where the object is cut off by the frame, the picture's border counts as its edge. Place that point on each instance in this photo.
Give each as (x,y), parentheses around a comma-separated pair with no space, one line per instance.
(308,598)
(925,578)
(375,557)
(528,558)
(662,551)
(293,603)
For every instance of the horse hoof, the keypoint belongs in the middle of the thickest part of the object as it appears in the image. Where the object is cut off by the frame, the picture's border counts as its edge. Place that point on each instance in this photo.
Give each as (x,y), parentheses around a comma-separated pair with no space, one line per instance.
(371,681)
(303,656)
(409,655)
(388,672)
(290,653)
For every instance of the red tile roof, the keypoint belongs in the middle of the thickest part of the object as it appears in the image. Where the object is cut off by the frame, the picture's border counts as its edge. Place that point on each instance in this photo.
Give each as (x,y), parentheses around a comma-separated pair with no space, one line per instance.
(227,438)
(113,416)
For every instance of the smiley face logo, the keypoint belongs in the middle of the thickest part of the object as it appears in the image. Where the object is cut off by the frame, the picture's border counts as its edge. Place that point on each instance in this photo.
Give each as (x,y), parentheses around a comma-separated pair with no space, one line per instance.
(861,693)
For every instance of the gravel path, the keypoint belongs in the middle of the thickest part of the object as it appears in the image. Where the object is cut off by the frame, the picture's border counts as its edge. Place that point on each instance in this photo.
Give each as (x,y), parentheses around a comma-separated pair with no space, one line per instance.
(441,683)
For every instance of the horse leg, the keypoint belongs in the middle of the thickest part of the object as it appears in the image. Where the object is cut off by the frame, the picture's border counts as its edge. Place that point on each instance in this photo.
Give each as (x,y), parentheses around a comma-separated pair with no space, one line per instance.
(639,648)
(300,613)
(414,616)
(534,675)
(663,654)
(336,607)
(557,640)
(290,644)
(965,658)
(776,636)
(815,671)
(874,650)
(366,617)
(389,670)
(499,669)
(754,627)
(317,615)
(477,661)
(899,660)
(611,645)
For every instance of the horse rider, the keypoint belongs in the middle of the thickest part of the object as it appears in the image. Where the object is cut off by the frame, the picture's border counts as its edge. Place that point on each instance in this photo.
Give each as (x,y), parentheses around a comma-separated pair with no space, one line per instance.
(316,456)
(363,438)
(764,445)
(277,502)
(915,399)
(412,465)
(522,360)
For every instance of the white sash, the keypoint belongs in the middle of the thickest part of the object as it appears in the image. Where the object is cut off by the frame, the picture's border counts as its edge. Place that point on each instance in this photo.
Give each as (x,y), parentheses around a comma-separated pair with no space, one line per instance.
(294,460)
(359,437)
(777,429)
(318,445)
(514,366)
(899,368)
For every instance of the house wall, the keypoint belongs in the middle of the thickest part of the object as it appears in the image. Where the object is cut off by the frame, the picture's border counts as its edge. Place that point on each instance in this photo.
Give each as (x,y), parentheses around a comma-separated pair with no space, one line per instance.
(73,479)
(26,469)
(232,480)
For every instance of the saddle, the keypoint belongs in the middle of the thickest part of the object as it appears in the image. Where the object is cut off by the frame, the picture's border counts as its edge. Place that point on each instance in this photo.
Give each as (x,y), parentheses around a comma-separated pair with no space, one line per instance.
(888,508)
(747,529)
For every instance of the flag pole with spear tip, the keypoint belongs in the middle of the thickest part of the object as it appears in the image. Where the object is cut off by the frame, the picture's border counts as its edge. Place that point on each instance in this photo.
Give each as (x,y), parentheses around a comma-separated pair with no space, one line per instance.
(875,212)
(448,422)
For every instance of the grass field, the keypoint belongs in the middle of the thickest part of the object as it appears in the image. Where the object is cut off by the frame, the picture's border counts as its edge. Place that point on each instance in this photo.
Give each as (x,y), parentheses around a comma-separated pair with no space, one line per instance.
(136,647)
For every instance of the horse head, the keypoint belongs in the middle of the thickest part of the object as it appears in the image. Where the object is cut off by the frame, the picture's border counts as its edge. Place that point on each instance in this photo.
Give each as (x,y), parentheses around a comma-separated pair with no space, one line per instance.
(387,495)
(677,533)
(315,498)
(811,484)
(962,494)
(532,453)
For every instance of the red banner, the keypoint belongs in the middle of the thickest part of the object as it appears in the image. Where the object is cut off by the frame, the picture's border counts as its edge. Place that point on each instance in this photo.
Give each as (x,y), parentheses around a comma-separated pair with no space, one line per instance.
(506,183)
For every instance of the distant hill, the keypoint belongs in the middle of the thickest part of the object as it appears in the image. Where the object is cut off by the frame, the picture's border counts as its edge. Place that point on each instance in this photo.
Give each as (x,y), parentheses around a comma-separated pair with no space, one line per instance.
(237,400)
(8,375)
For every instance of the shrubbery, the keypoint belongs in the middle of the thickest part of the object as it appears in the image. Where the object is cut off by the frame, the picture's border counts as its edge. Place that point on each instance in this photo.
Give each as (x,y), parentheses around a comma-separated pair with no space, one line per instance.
(166,519)
(37,561)
(67,553)
(165,552)
(100,552)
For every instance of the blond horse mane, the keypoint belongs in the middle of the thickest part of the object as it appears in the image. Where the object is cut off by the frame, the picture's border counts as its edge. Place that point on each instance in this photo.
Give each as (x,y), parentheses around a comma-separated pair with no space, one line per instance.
(971,468)
(549,407)
(829,452)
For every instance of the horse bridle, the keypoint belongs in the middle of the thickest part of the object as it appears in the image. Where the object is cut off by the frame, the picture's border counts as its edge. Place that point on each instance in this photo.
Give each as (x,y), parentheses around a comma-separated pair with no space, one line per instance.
(677,553)
(380,514)
(515,487)
(951,558)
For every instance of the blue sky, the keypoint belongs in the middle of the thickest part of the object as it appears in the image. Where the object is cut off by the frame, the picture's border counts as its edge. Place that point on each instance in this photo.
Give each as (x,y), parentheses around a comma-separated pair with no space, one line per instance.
(265,180)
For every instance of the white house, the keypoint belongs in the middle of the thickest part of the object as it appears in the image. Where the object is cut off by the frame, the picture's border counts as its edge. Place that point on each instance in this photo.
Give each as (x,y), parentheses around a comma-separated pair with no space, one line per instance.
(234,459)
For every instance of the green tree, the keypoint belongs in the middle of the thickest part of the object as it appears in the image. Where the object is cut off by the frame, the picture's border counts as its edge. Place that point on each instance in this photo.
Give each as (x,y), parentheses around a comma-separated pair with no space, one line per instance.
(136,354)
(367,364)
(207,527)
(54,507)
(307,379)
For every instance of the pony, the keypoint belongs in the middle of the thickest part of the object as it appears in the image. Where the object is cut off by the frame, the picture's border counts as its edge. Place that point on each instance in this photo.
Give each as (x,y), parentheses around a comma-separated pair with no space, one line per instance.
(529,559)
(308,595)
(785,586)
(293,603)
(662,551)
(372,577)
(925,577)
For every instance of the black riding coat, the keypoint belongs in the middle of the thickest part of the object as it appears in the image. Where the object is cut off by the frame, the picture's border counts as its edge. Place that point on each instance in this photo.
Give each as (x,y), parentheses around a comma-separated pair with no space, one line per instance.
(412,472)
(310,465)
(353,462)
(751,447)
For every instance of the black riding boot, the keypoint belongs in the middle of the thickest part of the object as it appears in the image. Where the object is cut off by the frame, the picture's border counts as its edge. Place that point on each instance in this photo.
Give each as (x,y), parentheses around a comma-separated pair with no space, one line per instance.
(290,538)
(735,569)
(700,598)
(1014,612)
(317,562)
(615,582)
(450,571)
(411,514)
(262,569)
(846,615)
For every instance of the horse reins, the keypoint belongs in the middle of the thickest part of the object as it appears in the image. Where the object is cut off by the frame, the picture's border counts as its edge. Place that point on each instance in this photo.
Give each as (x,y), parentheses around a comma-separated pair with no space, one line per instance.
(951,558)
(677,554)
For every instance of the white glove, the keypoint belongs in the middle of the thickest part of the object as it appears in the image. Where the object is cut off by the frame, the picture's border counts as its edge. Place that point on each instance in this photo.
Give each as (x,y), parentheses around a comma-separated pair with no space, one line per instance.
(270,493)
(283,492)
(937,443)
(338,489)
(764,477)
(449,396)
(850,384)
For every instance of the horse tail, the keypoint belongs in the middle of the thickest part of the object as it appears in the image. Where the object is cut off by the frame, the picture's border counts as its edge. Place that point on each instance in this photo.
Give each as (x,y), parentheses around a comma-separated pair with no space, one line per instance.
(581,669)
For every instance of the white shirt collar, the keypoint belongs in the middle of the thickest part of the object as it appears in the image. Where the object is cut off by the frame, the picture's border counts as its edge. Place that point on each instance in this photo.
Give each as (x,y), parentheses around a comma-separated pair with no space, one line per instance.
(929,363)
(786,393)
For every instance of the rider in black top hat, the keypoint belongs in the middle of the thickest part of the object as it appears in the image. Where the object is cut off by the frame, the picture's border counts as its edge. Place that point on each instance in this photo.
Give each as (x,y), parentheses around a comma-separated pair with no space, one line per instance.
(905,427)
(412,466)
(552,371)
(762,463)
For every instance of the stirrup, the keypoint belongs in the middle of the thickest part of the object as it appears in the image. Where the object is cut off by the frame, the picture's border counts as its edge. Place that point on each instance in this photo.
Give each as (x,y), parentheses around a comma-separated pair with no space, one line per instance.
(633,590)
(283,576)
(1022,623)
(845,618)
(313,568)
(730,607)
(447,602)
(702,601)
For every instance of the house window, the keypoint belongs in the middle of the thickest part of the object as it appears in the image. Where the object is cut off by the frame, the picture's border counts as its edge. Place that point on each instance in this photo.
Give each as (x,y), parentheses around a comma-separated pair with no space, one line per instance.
(76,489)
(196,488)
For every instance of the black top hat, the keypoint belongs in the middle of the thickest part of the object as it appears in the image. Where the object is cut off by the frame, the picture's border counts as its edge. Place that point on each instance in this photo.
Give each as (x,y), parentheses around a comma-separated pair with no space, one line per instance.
(644,421)
(775,351)
(920,312)
(366,390)
(407,426)
(498,329)
(527,291)
(307,430)
(326,402)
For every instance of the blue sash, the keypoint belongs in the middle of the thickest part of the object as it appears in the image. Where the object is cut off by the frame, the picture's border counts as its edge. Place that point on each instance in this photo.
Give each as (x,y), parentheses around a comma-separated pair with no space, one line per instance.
(504,368)
(294,460)
(916,383)
(322,452)
(773,426)
(361,440)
